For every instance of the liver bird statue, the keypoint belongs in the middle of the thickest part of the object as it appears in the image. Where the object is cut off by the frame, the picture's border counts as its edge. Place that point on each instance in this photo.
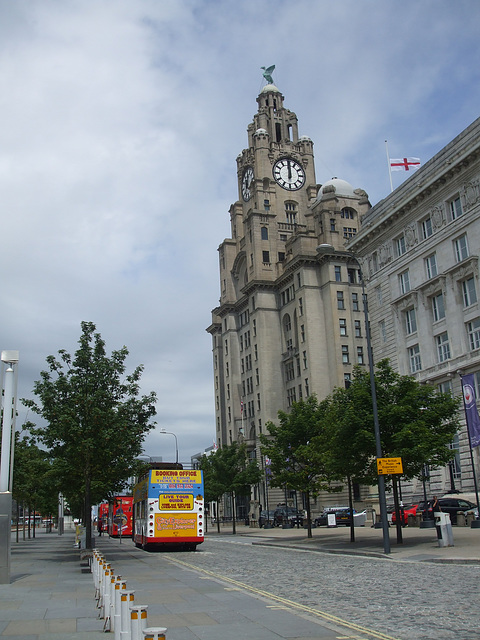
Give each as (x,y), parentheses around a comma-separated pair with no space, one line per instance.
(267,73)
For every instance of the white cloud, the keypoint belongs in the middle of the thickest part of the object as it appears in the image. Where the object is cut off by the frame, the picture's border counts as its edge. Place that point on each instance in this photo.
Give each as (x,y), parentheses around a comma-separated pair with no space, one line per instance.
(121,125)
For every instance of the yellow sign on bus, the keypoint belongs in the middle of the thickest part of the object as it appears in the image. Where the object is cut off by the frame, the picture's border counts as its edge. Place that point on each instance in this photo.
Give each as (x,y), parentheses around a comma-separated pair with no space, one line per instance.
(389,466)
(176,525)
(175,502)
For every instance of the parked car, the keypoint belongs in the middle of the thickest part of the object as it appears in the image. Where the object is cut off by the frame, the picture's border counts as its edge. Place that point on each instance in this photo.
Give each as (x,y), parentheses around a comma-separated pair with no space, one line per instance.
(453,506)
(342,516)
(266,516)
(293,516)
(407,510)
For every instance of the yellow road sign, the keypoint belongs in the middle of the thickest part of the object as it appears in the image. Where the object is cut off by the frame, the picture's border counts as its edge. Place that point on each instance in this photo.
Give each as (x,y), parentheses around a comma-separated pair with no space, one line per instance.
(389,466)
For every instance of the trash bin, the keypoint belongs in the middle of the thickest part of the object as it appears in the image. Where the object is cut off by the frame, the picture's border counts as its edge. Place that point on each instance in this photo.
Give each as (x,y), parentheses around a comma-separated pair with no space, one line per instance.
(444,529)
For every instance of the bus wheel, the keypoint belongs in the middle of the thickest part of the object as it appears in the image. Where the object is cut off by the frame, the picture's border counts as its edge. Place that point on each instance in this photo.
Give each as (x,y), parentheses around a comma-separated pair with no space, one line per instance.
(191,547)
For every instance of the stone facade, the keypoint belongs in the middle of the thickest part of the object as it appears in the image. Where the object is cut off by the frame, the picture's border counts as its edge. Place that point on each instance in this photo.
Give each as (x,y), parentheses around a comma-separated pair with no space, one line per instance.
(419,248)
(290,319)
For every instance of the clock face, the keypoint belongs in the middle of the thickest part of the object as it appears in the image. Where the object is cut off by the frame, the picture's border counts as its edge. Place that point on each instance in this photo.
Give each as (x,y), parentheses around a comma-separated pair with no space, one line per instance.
(289,174)
(247,180)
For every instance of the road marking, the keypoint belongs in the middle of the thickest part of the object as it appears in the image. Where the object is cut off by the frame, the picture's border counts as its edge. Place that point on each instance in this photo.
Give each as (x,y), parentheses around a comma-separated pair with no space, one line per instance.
(289,603)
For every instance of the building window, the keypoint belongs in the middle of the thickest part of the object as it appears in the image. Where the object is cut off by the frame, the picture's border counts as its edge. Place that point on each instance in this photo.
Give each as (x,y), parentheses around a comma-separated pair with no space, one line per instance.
(289,371)
(358,329)
(383,330)
(469,292)
(414,358)
(438,307)
(410,321)
(307,388)
(443,347)
(431,266)
(427,228)
(355,305)
(360,355)
(305,360)
(343,327)
(264,232)
(281,256)
(345,357)
(352,276)
(400,246)
(291,212)
(302,333)
(347,379)
(291,396)
(300,306)
(455,463)
(461,248)
(347,213)
(473,330)
(404,279)
(332,224)
(455,208)
(340,300)
(349,232)
(266,205)
(378,291)
(266,257)
(338,274)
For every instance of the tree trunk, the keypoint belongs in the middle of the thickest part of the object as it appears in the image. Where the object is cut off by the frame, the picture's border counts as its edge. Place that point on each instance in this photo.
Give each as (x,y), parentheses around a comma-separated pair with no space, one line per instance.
(88,514)
(309,515)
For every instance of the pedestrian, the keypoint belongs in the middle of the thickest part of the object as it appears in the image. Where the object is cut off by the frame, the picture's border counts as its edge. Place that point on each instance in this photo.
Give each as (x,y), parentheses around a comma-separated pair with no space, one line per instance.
(99,526)
(436,505)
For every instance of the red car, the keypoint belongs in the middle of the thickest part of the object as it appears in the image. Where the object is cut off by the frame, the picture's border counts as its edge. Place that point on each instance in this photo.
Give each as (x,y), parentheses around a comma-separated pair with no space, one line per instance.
(407,510)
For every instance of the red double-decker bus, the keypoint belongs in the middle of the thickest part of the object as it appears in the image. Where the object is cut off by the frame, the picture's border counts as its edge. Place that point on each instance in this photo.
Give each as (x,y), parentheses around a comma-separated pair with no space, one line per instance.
(120,516)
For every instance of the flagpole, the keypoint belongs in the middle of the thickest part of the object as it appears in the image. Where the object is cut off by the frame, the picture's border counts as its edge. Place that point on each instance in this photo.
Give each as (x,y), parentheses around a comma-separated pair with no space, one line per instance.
(389,167)
(476,523)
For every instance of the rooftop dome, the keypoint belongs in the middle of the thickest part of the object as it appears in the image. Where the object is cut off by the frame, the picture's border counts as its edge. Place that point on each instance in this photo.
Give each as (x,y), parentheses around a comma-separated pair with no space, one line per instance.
(261,132)
(337,186)
(270,87)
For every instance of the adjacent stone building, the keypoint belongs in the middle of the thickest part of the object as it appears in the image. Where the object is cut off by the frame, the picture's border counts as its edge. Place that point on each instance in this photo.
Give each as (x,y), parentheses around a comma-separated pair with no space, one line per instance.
(419,248)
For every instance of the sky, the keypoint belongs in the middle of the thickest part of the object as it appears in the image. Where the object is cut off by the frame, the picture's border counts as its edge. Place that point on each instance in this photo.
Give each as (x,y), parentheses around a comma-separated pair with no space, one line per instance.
(121,124)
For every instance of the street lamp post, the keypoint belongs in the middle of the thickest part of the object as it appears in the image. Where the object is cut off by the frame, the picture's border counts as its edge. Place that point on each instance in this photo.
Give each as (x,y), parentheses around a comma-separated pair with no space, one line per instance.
(327,248)
(170,433)
(10,359)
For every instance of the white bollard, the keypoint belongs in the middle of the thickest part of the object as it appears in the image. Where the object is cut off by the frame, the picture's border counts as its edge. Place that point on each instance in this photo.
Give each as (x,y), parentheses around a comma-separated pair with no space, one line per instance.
(155,633)
(111,610)
(138,618)
(126,601)
(120,585)
(106,597)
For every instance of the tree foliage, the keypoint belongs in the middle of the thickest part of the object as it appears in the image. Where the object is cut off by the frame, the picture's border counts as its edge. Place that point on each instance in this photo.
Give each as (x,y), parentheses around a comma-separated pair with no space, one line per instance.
(296,450)
(229,470)
(96,421)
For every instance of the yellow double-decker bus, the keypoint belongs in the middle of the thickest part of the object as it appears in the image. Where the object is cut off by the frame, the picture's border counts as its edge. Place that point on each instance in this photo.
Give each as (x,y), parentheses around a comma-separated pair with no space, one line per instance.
(168,507)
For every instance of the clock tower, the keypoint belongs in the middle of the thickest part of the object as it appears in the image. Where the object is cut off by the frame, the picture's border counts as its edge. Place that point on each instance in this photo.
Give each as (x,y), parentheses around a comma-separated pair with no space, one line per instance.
(286,325)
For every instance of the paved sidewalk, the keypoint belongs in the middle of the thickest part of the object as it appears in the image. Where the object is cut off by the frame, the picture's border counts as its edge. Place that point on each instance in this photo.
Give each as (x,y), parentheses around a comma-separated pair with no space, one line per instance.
(51,594)
(419,545)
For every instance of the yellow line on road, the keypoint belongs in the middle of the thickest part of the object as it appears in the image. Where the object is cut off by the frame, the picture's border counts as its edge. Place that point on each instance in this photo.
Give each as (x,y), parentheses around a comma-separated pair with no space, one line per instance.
(295,605)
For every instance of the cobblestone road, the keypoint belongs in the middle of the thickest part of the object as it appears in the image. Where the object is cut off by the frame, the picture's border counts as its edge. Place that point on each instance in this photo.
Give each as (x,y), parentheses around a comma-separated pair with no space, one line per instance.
(407,600)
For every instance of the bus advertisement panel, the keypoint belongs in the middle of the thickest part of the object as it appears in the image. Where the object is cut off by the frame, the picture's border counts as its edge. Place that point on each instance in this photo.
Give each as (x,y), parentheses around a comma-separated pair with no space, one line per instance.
(169,508)
(120,517)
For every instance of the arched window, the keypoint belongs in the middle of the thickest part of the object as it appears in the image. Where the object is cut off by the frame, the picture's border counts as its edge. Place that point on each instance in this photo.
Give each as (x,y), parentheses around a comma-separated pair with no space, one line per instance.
(291,212)
(348,213)
(264,231)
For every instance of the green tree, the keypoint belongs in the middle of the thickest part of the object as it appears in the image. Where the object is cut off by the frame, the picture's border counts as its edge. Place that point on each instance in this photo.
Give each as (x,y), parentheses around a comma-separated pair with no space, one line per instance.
(229,470)
(33,478)
(417,423)
(96,421)
(296,449)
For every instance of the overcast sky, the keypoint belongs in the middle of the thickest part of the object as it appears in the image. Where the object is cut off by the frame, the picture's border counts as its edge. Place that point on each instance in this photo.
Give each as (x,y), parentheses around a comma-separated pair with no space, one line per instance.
(120,125)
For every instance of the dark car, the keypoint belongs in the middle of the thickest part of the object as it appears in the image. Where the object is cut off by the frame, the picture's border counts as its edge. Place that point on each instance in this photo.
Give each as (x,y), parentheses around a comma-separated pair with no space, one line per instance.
(287,515)
(342,516)
(266,516)
(453,506)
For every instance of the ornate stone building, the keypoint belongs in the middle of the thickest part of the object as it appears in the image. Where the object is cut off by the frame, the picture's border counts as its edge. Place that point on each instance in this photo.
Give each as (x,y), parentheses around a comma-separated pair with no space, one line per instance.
(420,248)
(289,321)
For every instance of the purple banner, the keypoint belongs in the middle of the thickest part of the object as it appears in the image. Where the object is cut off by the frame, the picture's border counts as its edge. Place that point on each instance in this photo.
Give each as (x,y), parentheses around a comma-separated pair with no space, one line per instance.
(471,412)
